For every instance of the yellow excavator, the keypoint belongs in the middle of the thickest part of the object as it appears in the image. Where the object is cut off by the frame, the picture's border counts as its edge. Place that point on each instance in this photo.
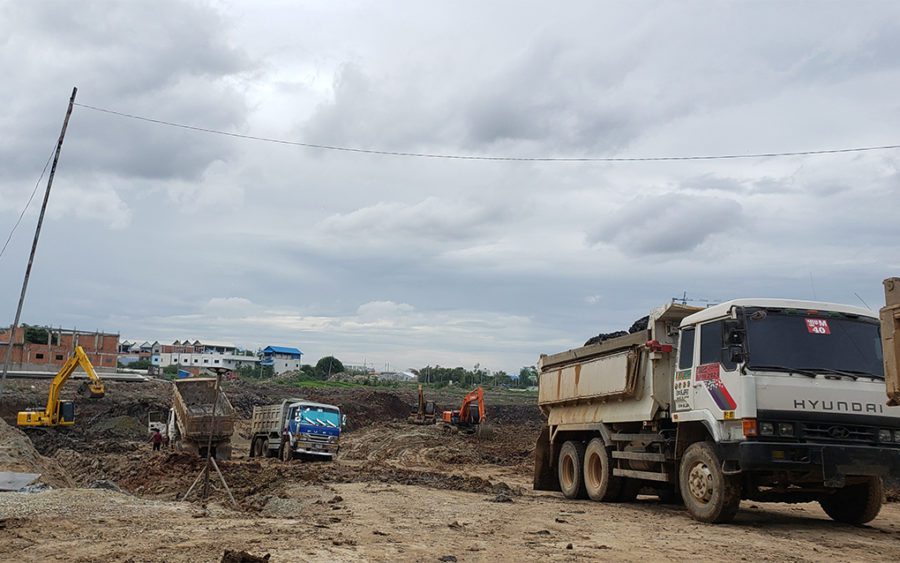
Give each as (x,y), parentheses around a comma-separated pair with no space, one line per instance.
(59,412)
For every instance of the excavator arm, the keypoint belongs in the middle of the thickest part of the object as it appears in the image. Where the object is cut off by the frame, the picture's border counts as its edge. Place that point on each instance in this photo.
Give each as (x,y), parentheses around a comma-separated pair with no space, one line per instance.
(51,415)
(473,396)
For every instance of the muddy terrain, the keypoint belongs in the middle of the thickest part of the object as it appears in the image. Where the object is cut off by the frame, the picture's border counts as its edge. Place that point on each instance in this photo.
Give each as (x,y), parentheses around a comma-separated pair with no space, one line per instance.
(397,492)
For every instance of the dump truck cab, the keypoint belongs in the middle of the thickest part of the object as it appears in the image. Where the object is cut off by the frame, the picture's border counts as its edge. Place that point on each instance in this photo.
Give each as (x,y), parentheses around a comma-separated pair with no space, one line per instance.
(792,389)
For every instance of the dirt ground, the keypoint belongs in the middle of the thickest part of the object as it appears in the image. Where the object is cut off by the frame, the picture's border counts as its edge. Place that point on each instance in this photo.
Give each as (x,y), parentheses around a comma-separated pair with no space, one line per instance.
(397,492)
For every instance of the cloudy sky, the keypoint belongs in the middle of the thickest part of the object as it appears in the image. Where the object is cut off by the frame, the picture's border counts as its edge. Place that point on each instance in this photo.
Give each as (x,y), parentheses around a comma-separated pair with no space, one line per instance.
(162,233)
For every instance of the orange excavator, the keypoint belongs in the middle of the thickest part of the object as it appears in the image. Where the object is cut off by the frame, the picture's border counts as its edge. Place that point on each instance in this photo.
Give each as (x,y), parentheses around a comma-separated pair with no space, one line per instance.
(470,418)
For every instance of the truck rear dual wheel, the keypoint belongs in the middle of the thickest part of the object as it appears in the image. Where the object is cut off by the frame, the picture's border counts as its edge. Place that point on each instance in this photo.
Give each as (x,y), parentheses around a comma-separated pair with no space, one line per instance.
(855,504)
(599,481)
(571,470)
(709,494)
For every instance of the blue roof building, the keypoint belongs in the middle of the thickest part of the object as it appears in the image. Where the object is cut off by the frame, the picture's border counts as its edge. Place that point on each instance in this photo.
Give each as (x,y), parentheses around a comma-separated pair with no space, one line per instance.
(281,358)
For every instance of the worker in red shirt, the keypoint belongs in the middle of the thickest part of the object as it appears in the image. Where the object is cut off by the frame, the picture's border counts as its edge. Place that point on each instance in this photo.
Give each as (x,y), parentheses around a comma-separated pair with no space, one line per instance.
(157,440)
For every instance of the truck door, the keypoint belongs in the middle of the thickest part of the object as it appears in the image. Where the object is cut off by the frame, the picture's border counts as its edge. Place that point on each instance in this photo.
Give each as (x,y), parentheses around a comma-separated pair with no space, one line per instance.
(681,388)
(715,377)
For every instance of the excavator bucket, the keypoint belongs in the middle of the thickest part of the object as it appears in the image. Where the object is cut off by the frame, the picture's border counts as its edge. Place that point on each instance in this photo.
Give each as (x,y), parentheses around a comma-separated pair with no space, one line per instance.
(485,431)
(90,391)
(545,477)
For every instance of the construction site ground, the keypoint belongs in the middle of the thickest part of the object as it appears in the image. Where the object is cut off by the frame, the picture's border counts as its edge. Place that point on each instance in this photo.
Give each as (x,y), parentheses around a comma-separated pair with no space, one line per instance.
(397,492)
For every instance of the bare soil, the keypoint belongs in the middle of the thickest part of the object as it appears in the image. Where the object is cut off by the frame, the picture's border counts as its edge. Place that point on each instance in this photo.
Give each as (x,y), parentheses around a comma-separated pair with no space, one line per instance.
(397,492)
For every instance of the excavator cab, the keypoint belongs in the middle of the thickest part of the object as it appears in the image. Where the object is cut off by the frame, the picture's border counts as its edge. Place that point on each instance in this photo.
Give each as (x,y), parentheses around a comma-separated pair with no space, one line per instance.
(67,412)
(470,418)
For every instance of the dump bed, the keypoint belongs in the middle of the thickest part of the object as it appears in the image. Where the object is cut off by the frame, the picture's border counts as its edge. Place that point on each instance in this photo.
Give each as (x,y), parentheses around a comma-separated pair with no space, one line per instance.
(193,403)
(269,419)
(621,379)
(606,370)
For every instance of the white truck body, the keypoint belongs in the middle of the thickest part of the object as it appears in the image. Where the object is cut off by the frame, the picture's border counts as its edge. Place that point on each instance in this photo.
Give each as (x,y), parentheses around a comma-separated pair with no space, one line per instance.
(788,395)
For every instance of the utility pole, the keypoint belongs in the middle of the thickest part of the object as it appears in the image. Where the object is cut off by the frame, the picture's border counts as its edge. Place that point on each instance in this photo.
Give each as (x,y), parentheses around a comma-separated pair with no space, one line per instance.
(37,235)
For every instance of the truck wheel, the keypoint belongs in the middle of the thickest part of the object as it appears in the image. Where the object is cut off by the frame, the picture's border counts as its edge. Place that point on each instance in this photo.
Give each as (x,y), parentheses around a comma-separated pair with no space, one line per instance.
(287,454)
(855,504)
(709,494)
(599,482)
(252,448)
(571,469)
(267,449)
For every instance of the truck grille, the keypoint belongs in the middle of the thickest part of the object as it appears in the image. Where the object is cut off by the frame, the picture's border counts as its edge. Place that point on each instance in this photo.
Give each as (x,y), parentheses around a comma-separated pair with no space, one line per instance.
(316,438)
(838,433)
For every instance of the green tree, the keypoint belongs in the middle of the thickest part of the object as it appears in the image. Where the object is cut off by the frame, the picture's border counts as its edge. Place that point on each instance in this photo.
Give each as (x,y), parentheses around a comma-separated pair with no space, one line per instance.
(528,376)
(327,366)
(36,335)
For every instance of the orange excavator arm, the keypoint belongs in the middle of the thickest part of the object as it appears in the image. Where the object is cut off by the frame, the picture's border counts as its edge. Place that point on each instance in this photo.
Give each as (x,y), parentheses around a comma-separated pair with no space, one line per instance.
(474,395)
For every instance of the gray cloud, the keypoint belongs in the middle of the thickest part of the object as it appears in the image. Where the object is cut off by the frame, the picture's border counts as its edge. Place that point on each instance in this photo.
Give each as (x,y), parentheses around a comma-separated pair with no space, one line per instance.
(171,61)
(176,234)
(668,223)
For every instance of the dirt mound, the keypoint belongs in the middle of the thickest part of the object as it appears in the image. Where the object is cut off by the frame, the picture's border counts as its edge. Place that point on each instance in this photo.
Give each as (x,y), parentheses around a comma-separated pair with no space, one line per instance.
(18,454)
(405,445)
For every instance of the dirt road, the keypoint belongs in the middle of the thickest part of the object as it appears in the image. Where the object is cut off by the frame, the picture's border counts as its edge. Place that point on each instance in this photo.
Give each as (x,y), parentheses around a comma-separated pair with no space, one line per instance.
(398,492)
(387,522)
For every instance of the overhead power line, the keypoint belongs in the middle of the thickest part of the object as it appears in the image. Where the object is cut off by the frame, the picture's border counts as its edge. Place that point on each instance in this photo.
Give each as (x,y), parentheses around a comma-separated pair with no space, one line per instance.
(28,204)
(492,158)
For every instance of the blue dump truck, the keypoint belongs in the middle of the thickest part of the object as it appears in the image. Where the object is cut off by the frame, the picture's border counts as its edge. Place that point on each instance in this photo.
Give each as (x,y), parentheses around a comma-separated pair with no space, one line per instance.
(296,428)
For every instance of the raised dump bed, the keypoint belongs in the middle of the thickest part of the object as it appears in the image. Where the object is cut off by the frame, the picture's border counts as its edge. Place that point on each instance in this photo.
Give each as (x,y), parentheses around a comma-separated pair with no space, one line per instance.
(195,421)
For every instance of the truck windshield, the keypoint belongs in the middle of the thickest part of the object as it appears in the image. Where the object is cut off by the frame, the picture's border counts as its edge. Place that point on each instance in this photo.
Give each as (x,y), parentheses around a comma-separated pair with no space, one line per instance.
(830,343)
(319,416)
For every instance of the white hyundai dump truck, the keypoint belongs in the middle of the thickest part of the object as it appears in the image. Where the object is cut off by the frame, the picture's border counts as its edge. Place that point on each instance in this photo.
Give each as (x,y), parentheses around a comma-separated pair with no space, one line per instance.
(760,399)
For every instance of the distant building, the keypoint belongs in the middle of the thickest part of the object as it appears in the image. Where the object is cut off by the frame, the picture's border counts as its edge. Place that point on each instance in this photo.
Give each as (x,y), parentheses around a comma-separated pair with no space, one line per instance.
(200,354)
(36,348)
(281,358)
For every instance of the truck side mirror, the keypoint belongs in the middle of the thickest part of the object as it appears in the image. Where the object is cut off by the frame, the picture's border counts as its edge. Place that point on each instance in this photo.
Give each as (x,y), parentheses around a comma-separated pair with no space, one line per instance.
(733,333)
(736,354)
(343,420)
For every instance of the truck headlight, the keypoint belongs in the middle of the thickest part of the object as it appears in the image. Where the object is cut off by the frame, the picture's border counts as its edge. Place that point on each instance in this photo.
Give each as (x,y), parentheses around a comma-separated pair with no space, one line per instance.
(897,435)
(785,429)
(884,435)
(331,439)
(766,429)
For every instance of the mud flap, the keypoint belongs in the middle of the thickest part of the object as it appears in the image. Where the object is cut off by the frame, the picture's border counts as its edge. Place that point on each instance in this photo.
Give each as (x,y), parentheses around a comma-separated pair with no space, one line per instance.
(545,476)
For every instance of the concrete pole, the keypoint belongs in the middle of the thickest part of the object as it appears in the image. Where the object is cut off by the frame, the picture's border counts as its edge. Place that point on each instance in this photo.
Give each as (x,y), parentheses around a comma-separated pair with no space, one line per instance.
(37,235)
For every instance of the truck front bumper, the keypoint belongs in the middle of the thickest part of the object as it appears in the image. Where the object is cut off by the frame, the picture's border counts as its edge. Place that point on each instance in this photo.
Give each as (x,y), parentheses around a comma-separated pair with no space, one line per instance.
(835,461)
(317,449)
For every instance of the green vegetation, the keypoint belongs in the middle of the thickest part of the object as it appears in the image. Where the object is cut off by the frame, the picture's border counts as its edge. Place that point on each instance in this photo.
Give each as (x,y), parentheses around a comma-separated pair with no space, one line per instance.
(140,364)
(256,372)
(327,366)
(441,376)
(38,335)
